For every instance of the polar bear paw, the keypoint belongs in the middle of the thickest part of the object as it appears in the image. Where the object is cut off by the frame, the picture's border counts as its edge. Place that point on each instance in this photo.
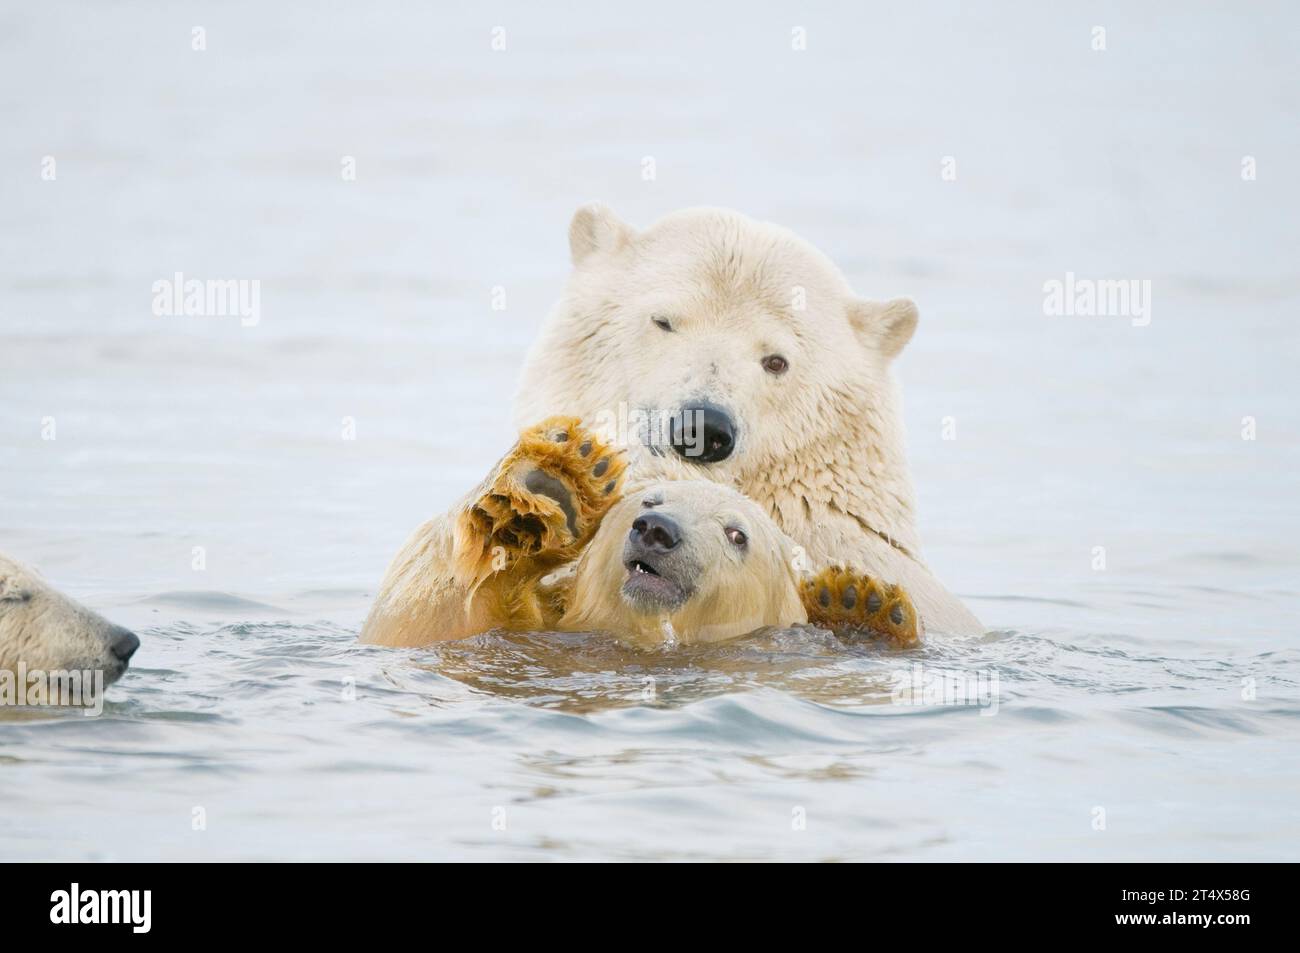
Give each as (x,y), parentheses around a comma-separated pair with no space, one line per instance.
(543,501)
(849,603)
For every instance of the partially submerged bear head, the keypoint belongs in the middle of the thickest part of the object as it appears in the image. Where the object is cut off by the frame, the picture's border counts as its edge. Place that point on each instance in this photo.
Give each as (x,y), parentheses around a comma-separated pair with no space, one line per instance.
(719,341)
(690,561)
(43,631)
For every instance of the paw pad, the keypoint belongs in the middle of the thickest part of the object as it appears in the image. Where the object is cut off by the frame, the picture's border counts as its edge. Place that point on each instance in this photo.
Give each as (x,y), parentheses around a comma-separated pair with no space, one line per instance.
(544,499)
(850,603)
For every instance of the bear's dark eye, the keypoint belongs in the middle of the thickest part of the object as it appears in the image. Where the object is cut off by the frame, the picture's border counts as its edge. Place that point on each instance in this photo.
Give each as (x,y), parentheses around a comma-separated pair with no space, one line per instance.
(736,536)
(650,502)
(662,322)
(775,364)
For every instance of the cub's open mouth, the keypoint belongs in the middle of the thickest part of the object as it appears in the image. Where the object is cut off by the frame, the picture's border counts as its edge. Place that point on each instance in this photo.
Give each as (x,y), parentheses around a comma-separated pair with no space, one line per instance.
(637,565)
(646,587)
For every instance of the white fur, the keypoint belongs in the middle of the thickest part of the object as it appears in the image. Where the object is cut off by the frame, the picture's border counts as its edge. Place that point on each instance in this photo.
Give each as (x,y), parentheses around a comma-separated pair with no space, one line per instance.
(820,447)
(46,631)
(735,591)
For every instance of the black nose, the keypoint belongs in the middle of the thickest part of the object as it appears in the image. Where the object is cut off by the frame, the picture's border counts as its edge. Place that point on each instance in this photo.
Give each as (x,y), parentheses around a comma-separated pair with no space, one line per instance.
(656,532)
(703,433)
(122,643)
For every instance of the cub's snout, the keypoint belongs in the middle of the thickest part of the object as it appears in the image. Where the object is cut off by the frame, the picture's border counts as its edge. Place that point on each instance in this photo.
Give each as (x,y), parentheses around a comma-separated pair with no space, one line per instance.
(655,532)
(660,571)
(122,643)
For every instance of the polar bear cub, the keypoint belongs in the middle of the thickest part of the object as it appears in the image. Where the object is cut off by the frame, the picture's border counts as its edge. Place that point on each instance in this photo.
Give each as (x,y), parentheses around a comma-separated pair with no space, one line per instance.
(675,562)
(43,633)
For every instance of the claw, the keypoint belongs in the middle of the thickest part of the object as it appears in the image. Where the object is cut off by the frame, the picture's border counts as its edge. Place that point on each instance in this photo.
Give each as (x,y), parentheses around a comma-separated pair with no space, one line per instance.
(542,503)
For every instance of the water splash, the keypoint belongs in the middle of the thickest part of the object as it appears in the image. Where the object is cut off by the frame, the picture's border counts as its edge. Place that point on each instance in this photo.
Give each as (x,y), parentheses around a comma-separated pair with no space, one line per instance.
(669,633)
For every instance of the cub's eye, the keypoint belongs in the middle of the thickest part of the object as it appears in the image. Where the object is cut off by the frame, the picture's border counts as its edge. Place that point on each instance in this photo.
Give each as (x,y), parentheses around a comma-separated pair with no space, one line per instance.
(662,322)
(736,536)
(775,364)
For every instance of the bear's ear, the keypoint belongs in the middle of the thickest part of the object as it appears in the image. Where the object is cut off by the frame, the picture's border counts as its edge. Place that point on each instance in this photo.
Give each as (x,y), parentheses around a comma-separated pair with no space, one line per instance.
(596,229)
(887,325)
(12,587)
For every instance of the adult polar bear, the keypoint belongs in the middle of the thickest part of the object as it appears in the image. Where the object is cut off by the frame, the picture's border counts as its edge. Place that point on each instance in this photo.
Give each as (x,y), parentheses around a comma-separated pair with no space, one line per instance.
(778,376)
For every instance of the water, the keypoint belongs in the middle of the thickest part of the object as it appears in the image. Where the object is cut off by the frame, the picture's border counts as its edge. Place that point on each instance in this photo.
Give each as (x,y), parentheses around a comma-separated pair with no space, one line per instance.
(1162,690)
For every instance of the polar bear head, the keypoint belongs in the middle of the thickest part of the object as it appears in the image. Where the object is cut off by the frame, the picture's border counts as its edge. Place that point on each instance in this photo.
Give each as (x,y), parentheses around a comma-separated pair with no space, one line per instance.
(731,348)
(691,561)
(43,630)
